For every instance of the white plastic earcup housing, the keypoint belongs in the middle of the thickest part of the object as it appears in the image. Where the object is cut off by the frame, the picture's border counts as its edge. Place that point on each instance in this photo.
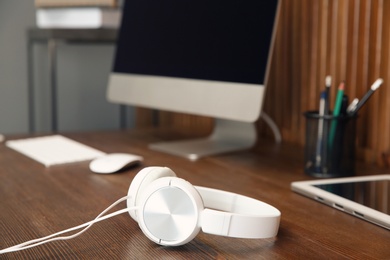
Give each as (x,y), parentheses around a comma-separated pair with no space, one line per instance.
(141,181)
(169,211)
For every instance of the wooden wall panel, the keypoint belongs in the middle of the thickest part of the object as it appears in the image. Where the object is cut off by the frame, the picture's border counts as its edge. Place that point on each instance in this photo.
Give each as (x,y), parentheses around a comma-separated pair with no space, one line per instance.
(347,39)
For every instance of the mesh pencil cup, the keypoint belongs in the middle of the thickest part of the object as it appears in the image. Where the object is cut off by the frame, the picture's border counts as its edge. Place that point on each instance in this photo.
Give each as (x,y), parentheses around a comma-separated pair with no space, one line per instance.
(330,145)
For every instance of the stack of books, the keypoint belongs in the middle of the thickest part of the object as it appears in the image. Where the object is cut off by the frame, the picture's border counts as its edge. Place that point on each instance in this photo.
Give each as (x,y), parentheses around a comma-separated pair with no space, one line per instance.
(77,14)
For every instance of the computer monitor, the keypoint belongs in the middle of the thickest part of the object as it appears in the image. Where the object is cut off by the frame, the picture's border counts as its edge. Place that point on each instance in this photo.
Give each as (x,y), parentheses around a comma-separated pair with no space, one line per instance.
(201,57)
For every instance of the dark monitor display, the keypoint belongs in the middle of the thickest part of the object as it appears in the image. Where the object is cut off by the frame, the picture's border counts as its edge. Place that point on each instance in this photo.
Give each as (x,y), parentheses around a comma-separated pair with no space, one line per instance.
(219,40)
(202,57)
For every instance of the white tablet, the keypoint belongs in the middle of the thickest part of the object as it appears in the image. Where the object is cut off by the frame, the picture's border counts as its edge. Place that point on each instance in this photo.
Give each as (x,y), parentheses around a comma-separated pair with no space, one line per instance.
(365,197)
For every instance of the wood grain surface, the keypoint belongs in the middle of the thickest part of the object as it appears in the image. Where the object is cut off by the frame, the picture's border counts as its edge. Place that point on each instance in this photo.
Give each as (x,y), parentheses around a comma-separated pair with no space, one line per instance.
(38,201)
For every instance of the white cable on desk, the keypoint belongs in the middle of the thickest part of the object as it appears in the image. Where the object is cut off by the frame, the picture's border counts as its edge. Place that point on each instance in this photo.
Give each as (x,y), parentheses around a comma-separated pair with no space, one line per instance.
(273,126)
(51,238)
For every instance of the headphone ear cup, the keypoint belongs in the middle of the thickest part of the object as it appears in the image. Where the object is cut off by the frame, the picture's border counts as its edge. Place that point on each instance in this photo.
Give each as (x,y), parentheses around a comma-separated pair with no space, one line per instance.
(141,181)
(169,211)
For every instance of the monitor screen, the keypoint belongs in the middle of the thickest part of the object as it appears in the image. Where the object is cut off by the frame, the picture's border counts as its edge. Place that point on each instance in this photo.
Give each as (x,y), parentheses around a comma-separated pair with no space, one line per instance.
(221,40)
(194,56)
(201,57)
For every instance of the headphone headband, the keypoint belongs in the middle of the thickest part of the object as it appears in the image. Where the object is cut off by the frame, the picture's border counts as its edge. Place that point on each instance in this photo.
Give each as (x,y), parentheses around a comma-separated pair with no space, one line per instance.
(233,215)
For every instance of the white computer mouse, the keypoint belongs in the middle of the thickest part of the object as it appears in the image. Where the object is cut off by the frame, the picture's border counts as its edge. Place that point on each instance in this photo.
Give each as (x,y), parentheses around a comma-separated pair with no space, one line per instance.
(114,162)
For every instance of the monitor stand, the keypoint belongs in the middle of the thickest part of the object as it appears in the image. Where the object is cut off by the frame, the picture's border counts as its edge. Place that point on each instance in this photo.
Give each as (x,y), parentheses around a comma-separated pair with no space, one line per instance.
(227,136)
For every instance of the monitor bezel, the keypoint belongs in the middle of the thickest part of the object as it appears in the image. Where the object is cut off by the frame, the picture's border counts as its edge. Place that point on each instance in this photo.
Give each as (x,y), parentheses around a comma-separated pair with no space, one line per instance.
(218,99)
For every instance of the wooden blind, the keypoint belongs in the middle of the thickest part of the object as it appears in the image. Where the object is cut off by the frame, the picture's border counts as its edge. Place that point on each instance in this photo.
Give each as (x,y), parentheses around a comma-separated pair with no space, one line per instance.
(347,39)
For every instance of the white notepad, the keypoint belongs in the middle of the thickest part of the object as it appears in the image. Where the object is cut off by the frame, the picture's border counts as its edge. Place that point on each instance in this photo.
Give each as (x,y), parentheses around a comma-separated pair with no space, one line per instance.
(53,150)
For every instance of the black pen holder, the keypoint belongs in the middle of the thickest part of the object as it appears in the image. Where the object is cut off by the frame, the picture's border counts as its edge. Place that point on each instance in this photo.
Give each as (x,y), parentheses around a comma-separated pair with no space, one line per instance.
(330,145)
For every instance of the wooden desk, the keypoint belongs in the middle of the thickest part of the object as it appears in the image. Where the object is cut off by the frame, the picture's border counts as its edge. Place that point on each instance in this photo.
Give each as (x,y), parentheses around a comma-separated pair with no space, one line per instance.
(38,201)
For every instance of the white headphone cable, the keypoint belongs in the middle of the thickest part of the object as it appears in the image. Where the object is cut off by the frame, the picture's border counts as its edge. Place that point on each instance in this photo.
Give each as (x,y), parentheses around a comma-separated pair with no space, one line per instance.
(51,238)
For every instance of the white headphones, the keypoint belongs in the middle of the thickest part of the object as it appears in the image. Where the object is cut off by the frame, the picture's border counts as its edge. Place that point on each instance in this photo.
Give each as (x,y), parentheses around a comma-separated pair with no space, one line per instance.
(170,211)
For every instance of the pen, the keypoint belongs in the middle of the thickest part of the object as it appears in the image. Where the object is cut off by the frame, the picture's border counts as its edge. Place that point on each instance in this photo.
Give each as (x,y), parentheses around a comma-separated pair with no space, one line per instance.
(328,84)
(321,114)
(374,87)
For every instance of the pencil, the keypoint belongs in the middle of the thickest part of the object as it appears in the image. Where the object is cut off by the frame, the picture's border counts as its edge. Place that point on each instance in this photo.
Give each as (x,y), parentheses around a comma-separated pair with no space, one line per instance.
(336,113)
(339,99)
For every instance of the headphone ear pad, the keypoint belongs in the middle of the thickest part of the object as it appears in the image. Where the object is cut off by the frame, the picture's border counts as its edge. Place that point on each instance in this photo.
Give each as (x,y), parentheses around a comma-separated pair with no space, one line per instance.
(140,183)
(169,211)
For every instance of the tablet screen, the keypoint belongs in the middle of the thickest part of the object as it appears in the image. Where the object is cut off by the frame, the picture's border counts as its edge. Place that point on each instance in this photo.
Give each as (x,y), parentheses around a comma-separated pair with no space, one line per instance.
(373,194)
